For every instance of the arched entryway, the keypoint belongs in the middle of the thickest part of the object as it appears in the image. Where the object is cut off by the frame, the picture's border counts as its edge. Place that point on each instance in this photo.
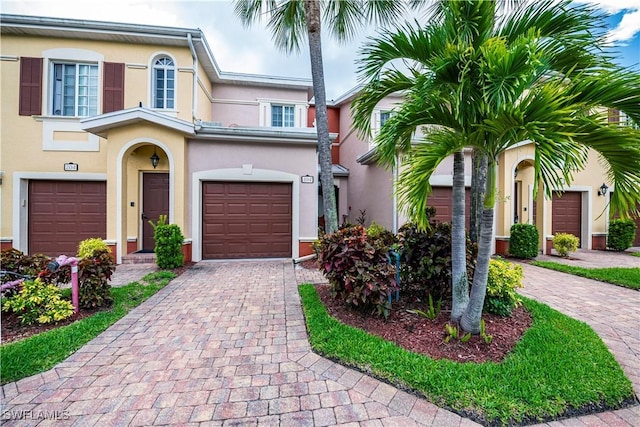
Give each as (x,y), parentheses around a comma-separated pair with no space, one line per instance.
(144,188)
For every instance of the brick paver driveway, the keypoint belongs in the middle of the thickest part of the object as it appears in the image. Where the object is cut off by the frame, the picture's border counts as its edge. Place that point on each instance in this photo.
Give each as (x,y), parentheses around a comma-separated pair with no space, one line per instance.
(224,344)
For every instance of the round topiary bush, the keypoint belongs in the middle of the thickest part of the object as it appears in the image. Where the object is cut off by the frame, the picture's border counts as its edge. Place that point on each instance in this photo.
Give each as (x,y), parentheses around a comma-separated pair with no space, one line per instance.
(523,242)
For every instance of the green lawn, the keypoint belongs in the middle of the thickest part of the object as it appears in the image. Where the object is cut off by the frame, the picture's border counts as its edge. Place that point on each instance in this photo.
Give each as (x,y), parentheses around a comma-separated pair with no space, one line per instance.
(42,352)
(627,277)
(560,365)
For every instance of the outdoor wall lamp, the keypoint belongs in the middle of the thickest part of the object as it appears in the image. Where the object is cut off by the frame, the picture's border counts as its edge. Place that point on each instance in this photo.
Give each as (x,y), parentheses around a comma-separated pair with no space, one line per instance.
(154,159)
(1,174)
(603,189)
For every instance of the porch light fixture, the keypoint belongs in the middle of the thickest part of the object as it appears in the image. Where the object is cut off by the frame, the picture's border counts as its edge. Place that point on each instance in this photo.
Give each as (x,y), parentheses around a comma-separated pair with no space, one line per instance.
(603,189)
(154,159)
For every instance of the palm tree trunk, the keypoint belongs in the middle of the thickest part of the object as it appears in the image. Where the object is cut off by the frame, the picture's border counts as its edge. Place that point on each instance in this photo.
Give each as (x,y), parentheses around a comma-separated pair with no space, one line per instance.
(312,15)
(478,183)
(459,279)
(470,321)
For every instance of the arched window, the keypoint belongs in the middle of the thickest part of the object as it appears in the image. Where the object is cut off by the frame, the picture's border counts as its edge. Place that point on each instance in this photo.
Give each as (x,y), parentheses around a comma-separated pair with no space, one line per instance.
(164,83)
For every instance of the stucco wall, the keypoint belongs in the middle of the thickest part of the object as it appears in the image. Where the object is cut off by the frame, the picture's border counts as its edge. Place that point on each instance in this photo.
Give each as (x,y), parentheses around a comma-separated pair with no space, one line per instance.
(289,159)
(240,105)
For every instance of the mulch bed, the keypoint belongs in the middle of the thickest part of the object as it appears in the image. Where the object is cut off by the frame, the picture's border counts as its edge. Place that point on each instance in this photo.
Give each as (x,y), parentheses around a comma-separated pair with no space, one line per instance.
(421,335)
(13,330)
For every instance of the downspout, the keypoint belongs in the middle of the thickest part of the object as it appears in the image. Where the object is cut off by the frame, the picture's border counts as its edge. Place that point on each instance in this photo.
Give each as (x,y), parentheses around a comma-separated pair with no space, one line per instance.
(396,167)
(194,95)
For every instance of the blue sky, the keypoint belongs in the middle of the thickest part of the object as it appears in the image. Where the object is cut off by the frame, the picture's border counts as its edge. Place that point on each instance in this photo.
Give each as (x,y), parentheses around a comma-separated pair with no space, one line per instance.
(238,49)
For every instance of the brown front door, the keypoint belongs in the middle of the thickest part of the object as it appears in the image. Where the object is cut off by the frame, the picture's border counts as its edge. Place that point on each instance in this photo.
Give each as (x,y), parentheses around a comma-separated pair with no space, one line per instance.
(63,213)
(155,202)
(566,213)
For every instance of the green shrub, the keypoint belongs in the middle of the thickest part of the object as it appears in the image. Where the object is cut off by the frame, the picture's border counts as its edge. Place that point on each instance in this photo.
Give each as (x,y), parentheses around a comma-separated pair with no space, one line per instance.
(88,246)
(357,269)
(425,261)
(169,240)
(523,242)
(94,273)
(380,236)
(39,302)
(564,243)
(504,278)
(621,234)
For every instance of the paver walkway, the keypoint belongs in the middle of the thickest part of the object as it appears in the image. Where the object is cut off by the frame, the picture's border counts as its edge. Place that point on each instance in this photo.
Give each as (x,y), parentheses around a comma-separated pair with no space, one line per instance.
(224,344)
(614,314)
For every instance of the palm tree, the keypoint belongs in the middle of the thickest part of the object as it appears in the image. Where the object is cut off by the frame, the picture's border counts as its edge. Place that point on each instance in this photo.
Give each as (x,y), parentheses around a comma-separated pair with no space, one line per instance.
(477,79)
(289,21)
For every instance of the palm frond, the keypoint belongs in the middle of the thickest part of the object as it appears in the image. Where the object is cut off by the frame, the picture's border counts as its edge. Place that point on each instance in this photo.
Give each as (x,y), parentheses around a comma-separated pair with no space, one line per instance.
(343,18)
(288,25)
(620,160)
(413,185)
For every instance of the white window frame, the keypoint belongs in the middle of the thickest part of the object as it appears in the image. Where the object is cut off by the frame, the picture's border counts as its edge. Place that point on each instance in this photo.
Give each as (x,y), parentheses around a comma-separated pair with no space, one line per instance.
(288,115)
(57,95)
(153,82)
(377,120)
(265,109)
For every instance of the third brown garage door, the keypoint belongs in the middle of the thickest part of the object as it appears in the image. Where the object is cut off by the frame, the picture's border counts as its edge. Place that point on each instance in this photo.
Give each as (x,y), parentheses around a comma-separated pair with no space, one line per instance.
(246,220)
(566,213)
(63,213)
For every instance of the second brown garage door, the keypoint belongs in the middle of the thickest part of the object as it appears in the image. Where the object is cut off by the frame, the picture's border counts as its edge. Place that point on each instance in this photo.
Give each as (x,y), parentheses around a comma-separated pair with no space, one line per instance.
(441,199)
(246,220)
(63,213)
(566,213)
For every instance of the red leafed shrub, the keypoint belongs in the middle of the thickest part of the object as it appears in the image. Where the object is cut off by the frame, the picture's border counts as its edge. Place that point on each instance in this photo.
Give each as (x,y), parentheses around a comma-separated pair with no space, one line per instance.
(94,273)
(357,268)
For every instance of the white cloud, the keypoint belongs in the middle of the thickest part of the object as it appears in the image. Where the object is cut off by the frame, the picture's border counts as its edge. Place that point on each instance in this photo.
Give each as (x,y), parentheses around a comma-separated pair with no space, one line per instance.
(629,25)
(613,6)
(627,29)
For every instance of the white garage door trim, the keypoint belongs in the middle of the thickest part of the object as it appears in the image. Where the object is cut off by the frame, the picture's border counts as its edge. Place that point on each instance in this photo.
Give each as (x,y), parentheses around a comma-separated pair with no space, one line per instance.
(21,195)
(246,173)
(587,213)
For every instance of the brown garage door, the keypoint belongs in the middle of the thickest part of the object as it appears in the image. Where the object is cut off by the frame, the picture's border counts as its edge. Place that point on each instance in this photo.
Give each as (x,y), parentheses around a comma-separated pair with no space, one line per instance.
(63,213)
(566,213)
(636,242)
(246,220)
(441,198)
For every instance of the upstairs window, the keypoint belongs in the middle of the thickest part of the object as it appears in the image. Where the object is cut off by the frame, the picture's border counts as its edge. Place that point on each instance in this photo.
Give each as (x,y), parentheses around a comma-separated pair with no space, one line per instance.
(282,116)
(384,116)
(164,80)
(75,90)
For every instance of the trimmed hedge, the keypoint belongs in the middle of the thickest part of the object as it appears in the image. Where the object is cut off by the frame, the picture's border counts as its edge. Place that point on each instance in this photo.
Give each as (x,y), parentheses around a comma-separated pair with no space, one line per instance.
(621,234)
(523,242)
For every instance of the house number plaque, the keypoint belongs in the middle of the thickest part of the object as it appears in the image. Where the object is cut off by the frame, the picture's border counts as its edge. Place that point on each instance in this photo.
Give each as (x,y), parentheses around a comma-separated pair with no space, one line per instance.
(71,167)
